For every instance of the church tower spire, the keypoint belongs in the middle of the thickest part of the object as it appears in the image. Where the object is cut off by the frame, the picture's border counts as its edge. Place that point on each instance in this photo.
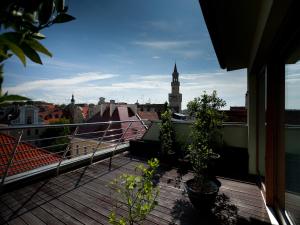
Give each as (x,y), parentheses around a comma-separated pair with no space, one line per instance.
(175,97)
(72,100)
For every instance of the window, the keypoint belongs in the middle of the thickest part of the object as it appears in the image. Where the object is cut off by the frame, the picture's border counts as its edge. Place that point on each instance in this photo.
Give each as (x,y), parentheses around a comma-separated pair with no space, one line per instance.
(85,150)
(28,132)
(29,120)
(292,142)
(36,131)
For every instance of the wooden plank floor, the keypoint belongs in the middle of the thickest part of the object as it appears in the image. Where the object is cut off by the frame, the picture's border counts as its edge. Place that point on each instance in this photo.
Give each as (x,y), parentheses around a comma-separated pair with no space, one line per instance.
(292,201)
(82,197)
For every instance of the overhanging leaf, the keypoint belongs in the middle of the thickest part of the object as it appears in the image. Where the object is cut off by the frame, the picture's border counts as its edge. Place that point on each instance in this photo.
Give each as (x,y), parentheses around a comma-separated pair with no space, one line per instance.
(31,53)
(39,36)
(63,18)
(14,48)
(34,44)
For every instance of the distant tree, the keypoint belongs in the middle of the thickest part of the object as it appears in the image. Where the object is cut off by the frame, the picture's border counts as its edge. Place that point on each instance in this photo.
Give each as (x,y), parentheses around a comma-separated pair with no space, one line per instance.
(7,97)
(62,106)
(22,21)
(59,135)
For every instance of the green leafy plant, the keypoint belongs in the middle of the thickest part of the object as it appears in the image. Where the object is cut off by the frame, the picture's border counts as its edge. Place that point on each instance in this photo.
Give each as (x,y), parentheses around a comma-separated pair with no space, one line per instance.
(205,133)
(22,21)
(137,193)
(166,134)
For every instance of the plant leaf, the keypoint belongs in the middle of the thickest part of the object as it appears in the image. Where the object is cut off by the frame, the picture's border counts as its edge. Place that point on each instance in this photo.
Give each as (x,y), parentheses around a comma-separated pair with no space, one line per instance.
(63,18)
(39,36)
(31,53)
(14,48)
(34,44)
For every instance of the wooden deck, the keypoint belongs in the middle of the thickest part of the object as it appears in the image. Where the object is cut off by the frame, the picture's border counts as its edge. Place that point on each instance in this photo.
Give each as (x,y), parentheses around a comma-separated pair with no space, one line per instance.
(82,197)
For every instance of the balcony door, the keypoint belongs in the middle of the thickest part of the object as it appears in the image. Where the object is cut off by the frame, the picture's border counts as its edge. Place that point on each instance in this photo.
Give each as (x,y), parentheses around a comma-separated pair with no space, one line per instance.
(292,143)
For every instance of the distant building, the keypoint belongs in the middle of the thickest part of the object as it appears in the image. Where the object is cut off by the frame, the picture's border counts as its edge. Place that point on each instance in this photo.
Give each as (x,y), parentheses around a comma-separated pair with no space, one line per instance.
(157,108)
(292,116)
(28,115)
(89,135)
(175,97)
(152,116)
(50,113)
(76,113)
(237,114)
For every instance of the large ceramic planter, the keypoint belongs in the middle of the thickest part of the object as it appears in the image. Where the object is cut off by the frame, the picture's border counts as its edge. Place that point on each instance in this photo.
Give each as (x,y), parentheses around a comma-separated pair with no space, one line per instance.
(203,200)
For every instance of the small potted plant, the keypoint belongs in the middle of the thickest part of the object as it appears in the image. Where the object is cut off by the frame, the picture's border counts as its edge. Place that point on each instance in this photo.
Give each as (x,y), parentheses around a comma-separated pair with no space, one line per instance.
(203,188)
(137,193)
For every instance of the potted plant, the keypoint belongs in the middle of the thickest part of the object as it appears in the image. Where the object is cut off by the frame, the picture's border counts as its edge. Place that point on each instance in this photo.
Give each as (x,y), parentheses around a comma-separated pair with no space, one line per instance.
(137,193)
(203,188)
(166,134)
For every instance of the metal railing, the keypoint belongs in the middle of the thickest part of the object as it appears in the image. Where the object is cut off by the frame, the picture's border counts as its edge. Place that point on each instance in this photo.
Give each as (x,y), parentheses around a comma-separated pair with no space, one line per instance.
(57,143)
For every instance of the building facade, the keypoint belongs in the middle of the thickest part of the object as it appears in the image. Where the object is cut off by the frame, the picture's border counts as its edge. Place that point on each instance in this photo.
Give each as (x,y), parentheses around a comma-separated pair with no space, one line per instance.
(175,97)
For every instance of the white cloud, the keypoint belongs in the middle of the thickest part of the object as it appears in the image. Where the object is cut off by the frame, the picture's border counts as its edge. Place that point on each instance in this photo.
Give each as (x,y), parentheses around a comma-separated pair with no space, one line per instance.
(155,57)
(162,26)
(164,45)
(189,54)
(57,64)
(51,84)
(136,87)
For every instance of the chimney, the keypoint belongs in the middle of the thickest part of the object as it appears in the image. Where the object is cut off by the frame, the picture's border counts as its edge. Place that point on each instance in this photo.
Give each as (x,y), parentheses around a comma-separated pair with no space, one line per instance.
(112,107)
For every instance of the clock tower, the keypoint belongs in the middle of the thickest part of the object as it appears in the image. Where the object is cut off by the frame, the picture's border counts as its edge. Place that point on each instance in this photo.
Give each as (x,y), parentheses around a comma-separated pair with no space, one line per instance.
(175,98)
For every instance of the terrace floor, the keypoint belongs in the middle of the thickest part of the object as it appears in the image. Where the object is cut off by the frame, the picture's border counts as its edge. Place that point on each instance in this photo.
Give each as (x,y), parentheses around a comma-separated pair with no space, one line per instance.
(82,197)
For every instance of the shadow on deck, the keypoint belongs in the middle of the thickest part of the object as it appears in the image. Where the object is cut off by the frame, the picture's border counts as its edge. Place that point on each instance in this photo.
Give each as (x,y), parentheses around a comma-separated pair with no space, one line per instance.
(82,197)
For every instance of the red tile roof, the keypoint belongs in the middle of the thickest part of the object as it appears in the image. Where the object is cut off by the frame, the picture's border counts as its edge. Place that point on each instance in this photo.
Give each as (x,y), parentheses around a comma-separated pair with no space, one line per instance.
(148,115)
(121,113)
(48,113)
(85,111)
(27,157)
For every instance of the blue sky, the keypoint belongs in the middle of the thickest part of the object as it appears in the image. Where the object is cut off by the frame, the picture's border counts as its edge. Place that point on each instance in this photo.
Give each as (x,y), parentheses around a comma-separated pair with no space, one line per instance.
(125,50)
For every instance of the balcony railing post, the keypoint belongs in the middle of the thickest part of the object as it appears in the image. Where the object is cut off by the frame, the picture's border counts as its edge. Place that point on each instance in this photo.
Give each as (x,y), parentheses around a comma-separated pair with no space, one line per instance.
(12,155)
(66,150)
(100,141)
(113,153)
(143,123)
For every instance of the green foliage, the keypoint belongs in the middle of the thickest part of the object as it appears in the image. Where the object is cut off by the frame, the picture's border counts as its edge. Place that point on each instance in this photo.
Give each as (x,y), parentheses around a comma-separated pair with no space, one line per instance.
(7,97)
(137,193)
(166,134)
(205,132)
(59,144)
(23,20)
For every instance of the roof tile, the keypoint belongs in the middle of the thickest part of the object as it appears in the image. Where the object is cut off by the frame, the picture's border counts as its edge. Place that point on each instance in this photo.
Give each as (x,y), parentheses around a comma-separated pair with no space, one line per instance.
(26,158)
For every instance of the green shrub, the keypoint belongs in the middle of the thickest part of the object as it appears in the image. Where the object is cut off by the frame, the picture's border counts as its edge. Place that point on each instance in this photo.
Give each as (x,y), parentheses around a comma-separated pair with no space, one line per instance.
(137,193)
(205,132)
(166,133)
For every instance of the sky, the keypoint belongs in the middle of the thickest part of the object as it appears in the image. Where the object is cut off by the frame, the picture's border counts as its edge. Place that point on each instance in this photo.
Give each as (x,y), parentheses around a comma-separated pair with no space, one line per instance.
(126,50)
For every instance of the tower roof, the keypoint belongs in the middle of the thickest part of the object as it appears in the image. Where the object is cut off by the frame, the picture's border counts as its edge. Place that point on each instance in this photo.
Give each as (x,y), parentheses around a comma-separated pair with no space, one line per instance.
(72,99)
(175,69)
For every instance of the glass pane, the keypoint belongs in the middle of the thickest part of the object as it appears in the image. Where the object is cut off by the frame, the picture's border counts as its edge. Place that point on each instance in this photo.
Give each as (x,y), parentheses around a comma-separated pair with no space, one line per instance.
(292,142)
